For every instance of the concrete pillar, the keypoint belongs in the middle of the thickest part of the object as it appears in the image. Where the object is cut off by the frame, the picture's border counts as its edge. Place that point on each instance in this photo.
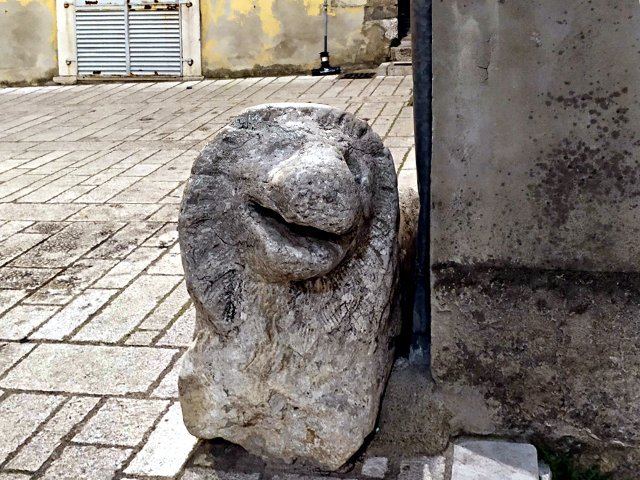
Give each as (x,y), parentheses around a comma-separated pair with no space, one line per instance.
(536,218)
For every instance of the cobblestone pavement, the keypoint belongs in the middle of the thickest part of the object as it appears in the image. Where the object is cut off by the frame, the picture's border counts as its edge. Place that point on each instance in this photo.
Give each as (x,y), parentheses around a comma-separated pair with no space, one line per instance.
(94,315)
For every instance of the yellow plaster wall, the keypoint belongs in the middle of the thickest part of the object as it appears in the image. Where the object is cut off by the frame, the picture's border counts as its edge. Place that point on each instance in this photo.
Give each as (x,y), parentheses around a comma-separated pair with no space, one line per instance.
(236,35)
(27,40)
(243,34)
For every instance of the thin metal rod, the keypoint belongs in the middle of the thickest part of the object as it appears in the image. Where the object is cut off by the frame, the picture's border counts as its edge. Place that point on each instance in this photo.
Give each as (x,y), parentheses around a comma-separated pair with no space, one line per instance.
(421,34)
(326,25)
(127,43)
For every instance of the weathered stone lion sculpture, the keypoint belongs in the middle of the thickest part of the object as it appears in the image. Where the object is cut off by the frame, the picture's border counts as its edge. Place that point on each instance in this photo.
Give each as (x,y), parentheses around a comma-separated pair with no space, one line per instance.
(288,229)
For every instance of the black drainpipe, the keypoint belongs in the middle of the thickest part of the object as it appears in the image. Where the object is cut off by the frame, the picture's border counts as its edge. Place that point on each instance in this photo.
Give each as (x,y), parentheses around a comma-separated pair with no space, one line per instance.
(421,32)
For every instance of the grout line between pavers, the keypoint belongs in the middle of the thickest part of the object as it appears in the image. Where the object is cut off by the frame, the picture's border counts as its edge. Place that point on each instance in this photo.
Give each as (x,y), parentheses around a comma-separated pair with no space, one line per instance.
(145,437)
(6,372)
(140,395)
(109,93)
(170,324)
(81,99)
(40,426)
(26,96)
(21,122)
(193,120)
(120,290)
(66,439)
(156,383)
(255,86)
(64,269)
(11,259)
(32,187)
(163,330)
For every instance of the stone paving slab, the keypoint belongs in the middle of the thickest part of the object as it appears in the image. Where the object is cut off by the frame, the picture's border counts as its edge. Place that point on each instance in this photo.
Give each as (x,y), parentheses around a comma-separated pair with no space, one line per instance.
(122,422)
(494,460)
(84,461)
(21,415)
(88,369)
(94,314)
(40,447)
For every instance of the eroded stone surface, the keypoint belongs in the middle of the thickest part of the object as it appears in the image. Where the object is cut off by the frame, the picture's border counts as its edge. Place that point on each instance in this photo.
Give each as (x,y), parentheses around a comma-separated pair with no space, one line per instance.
(288,230)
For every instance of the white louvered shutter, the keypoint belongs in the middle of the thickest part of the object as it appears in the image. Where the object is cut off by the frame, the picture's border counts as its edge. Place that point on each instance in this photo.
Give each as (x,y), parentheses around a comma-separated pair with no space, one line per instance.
(136,38)
(154,41)
(101,36)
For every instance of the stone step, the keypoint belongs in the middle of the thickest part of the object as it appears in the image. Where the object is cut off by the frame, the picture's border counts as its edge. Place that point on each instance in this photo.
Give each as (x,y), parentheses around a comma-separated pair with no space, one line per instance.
(392,69)
(401,62)
(495,460)
(402,53)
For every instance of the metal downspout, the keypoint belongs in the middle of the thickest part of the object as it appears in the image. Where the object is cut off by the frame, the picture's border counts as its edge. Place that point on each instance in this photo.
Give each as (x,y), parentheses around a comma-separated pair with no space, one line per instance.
(421,32)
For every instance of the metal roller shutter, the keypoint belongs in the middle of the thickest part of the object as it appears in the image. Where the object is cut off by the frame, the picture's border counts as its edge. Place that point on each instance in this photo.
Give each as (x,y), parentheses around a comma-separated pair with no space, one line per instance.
(101,36)
(154,42)
(139,37)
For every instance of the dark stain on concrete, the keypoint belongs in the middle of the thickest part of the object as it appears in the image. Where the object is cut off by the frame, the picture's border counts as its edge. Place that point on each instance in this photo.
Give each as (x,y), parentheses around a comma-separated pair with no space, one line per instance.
(555,352)
(594,163)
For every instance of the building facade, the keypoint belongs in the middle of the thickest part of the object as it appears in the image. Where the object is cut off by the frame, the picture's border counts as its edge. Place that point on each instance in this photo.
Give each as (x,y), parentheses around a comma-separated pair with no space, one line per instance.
(71,39)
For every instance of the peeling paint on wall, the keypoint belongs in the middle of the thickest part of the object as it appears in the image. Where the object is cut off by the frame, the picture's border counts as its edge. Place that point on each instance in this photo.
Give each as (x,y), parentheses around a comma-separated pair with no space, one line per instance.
(250,36)
(27,40)
(245,34)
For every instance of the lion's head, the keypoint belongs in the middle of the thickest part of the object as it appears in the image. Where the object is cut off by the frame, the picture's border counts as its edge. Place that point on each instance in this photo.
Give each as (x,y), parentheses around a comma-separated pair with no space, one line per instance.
(288,230)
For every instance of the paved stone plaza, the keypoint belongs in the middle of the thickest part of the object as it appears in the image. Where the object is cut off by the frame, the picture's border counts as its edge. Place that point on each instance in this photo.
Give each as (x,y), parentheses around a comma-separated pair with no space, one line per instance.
(94,315)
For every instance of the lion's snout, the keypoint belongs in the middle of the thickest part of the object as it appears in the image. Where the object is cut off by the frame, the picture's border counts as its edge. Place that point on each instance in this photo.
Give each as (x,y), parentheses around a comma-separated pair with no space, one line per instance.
(306,215)
(315,188)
